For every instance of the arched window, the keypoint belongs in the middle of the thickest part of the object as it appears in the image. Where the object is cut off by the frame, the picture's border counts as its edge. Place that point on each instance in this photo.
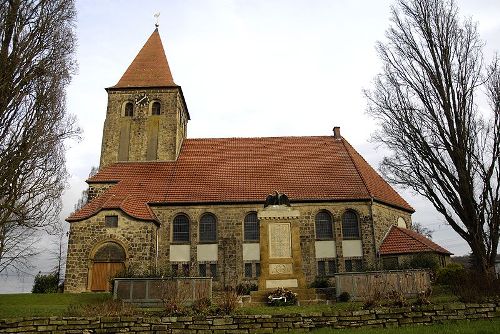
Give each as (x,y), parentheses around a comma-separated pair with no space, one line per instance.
(129,109)
(251,227)
(110,252)
(350,225)
(156,108)
(208,228)
(180,228)
(324,226)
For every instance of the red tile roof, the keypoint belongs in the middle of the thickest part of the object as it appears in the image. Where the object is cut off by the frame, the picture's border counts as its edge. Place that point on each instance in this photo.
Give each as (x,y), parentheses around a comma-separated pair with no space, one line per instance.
(404,241)
(232,170)
(149,68)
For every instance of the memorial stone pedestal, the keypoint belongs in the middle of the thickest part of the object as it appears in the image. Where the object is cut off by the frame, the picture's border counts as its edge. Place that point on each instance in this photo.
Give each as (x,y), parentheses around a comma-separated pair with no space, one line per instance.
(280,254)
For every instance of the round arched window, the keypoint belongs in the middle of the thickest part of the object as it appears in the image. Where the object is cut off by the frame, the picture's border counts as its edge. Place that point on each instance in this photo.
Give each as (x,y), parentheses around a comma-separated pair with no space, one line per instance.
(324,225)
(156,108)
(180,228)
(208,228)
(350,225)
(110,252)
(129,109)
(251,227)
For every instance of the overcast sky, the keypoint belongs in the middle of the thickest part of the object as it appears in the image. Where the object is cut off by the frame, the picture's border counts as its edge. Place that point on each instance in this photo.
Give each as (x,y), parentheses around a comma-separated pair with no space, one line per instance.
(248,69)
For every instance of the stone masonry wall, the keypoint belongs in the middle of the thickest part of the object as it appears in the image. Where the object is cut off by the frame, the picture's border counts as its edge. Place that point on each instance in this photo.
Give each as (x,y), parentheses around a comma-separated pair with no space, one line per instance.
(171,129)
(385,217)
(391,317)
(136,237)
(230,234)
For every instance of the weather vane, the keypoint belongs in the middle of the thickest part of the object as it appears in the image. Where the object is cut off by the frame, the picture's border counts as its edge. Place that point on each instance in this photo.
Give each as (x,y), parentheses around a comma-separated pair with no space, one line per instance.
(157,16)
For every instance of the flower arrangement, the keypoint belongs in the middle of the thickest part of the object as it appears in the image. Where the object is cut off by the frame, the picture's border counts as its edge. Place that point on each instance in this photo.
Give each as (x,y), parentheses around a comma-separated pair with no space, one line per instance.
(282,297)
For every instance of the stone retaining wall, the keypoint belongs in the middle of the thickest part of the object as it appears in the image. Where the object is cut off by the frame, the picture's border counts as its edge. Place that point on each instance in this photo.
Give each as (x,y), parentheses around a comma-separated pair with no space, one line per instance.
(390,317)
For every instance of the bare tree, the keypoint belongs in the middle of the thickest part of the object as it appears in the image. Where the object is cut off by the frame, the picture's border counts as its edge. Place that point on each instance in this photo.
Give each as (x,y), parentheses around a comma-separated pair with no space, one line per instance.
(37,44)
(444,147)
(420,228)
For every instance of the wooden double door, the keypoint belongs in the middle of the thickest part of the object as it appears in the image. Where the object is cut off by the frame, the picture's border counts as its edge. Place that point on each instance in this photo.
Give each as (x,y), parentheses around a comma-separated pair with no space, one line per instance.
(108,260)
(102,273)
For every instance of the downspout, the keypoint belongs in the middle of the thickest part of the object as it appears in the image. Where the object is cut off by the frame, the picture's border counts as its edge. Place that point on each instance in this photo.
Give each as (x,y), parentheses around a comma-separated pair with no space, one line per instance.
(373,234)
(156,247)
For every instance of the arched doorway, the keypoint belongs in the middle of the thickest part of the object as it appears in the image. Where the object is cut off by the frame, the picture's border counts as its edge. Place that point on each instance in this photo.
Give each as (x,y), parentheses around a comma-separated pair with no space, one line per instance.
(108,260)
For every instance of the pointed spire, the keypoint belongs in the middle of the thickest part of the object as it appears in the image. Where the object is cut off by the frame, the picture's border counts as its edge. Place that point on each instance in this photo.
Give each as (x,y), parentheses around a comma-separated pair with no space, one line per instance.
(149,68)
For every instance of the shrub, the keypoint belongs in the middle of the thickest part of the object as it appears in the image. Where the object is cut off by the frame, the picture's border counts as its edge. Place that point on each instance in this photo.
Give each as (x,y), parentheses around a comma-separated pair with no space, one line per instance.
(282,297)
(397,298)
(107,308)
(320,282)
(422,261)
(374,299)
(244,288)
(423,298)
(344,297)
(46,283)
(475,287)
(228,302)
(449,274)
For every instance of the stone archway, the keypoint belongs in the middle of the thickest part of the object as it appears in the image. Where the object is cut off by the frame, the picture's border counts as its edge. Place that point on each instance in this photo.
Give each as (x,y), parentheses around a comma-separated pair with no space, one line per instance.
(108,260)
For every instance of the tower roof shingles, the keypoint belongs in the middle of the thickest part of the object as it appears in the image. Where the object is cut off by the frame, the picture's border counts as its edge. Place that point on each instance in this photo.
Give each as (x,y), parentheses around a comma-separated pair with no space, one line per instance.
(149,68)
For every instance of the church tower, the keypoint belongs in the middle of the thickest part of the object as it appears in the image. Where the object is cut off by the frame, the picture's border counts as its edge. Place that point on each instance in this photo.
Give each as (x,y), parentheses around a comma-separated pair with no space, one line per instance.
(147,115)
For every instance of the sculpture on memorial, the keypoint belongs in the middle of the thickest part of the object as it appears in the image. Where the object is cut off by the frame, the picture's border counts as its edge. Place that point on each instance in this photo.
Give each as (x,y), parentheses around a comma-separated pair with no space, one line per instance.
(277,199)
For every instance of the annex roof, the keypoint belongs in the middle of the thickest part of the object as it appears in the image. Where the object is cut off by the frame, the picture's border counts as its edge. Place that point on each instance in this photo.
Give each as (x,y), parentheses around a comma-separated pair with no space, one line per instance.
(149,68)
(242,170)
(401,240)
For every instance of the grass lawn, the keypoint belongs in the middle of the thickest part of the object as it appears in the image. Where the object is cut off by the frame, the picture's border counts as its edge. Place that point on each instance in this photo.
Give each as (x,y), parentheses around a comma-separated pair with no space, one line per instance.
(39,305)
(460,327)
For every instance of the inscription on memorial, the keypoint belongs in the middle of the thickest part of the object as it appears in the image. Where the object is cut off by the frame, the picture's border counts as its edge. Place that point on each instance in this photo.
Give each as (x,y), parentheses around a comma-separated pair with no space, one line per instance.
(279,240)
(280,268)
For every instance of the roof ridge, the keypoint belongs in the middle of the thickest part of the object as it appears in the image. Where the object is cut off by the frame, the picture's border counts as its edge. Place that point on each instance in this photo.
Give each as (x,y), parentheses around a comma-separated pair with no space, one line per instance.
(263,137)
(344,142)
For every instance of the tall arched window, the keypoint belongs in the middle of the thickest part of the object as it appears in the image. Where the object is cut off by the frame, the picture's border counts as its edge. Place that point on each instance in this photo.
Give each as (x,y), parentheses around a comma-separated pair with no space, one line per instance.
(129,109)
(208,228)
(251,227)
(156,108)
(350,225)
(324,226)
(180,228)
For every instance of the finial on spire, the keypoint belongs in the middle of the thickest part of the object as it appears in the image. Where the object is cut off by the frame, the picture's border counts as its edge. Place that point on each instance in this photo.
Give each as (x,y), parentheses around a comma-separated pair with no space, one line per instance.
(157,16)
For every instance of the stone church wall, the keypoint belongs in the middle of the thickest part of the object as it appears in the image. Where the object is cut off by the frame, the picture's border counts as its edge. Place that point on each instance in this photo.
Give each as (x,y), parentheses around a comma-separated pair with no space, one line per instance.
(230,242)
(136,237)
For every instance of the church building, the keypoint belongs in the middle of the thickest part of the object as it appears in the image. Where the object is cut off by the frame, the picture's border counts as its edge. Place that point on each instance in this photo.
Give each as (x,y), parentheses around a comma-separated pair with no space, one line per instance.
(197,206)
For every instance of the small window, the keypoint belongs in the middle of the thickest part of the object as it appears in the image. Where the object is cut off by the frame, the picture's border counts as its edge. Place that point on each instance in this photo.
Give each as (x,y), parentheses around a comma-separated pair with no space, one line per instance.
(332,267)
(321,268)
(129,109)
(111,221)
(324,226)
(251,227)
(202,270)
(156,108)
(353,265)
(213,270)
(181,229)
(185,269)
(350,225)
(175,269)
(208,228)
(248,270)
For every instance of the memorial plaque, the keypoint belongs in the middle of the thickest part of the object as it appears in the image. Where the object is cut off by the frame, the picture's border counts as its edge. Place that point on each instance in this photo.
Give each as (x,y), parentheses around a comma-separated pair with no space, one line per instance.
(280,245)
(280,268)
